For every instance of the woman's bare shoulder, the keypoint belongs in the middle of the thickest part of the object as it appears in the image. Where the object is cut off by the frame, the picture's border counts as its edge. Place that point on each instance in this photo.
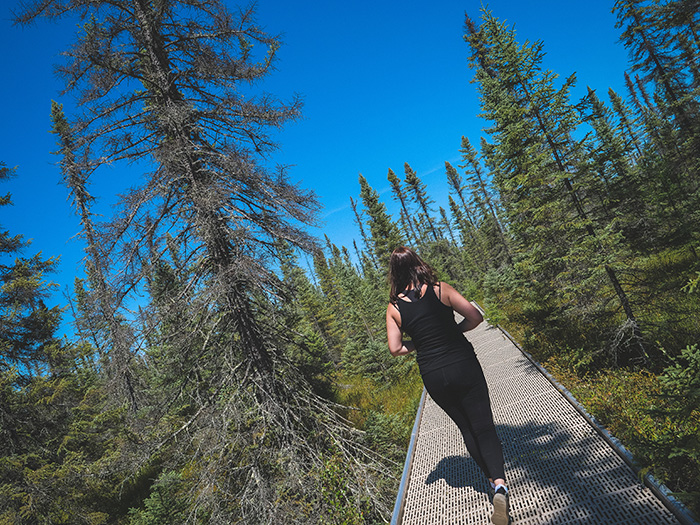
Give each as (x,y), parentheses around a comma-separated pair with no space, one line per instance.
(392,309)
(446,286)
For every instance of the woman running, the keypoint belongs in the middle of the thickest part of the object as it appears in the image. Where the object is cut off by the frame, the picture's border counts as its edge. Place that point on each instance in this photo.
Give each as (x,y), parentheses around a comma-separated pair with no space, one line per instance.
(423,308)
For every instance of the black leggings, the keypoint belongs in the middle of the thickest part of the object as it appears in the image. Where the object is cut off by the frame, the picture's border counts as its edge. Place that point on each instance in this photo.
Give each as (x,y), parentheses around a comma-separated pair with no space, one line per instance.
(460,390)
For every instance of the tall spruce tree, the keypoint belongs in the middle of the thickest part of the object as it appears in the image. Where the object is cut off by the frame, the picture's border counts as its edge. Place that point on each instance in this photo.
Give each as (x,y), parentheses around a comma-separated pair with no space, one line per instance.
(487,205)
(26,323)
(455,182)
(618,194)
(166,85)
(418,189)
(564,247)
(466,221)
(309,319)
(446,225)
(650,32)
(405,212)
(385,235)
(658,38)
(464,227)
(47,386)
(113,338)
(627,124)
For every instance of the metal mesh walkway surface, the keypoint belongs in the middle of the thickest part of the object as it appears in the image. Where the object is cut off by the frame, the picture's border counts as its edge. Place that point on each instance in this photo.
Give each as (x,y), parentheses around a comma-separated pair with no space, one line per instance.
(559,469)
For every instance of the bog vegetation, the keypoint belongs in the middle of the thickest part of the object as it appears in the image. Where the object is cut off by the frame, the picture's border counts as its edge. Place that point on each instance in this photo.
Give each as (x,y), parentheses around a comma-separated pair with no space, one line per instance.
(228,368)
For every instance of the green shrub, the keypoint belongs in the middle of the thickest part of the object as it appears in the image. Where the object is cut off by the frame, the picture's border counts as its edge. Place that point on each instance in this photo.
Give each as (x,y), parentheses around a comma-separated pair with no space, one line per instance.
(164,505)
(655,417)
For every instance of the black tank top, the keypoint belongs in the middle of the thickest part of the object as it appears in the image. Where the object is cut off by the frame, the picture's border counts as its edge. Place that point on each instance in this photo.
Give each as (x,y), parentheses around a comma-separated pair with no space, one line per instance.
(431,325)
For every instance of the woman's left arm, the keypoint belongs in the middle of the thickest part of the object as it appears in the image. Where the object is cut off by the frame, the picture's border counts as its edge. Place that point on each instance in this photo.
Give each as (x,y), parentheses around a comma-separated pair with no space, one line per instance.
(472,316)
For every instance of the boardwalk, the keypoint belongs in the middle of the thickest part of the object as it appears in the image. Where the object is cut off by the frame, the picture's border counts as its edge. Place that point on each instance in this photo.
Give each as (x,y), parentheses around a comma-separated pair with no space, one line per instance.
(559,468)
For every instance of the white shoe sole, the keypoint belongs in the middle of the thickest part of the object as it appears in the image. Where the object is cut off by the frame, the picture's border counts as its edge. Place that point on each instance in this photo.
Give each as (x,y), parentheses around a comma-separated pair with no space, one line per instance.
(500,510)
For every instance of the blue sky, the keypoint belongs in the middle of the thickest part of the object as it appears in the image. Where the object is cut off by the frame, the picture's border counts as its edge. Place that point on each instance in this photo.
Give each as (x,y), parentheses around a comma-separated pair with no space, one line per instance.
(383,83)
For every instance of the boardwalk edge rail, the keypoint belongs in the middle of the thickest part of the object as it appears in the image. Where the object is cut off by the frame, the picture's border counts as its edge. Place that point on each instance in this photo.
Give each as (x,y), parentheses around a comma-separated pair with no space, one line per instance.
(397,515)
(661,491)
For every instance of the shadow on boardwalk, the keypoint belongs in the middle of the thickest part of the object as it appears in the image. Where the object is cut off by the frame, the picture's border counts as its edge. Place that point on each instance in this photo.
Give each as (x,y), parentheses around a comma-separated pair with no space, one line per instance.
(555,476)
(451,469)
(559,468)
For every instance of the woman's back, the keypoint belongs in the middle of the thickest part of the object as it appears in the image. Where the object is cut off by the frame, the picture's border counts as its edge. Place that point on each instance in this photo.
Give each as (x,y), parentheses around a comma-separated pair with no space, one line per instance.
(432,327)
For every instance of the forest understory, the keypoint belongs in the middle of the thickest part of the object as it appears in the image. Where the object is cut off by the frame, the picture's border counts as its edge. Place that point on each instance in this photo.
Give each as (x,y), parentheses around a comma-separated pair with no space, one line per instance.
(226,367)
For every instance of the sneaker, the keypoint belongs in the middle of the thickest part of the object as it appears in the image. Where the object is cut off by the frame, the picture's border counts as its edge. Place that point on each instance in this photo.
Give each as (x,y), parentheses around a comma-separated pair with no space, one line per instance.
(500,507)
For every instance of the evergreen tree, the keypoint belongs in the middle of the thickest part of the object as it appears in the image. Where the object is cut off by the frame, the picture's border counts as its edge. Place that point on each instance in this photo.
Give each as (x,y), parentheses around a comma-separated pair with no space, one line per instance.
(329,303)
(546,183)
(648,36)
(418,189)
(48,393)
(658,37)
(361,226)
(165,85)
(385,236)
(609,156)
(466,230)
(471,238)
(26,323)
(626,123)
(111,336)
(610,142)
(486,204)
(310,324)
(455,182)
(405,213)
(649,117)
(446,225)
(621,195)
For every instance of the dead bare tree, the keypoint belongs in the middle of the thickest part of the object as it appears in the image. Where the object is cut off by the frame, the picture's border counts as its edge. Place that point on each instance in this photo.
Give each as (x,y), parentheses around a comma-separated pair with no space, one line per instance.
(165,84)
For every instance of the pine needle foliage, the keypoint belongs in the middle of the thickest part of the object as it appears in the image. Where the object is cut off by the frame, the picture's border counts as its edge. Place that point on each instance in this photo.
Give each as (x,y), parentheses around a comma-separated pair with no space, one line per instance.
(228,369)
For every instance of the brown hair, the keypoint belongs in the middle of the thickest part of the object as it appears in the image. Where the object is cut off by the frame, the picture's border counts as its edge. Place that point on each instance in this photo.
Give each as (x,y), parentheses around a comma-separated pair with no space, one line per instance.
(407,269)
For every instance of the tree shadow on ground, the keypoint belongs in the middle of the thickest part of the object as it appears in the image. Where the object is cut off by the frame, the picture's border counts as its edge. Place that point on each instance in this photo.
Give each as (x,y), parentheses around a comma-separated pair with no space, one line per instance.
(559,469)
(458,472)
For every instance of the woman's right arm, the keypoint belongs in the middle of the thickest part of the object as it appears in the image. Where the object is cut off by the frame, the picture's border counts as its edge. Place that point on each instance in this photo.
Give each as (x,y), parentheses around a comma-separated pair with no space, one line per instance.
(472,316)
(394,335)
